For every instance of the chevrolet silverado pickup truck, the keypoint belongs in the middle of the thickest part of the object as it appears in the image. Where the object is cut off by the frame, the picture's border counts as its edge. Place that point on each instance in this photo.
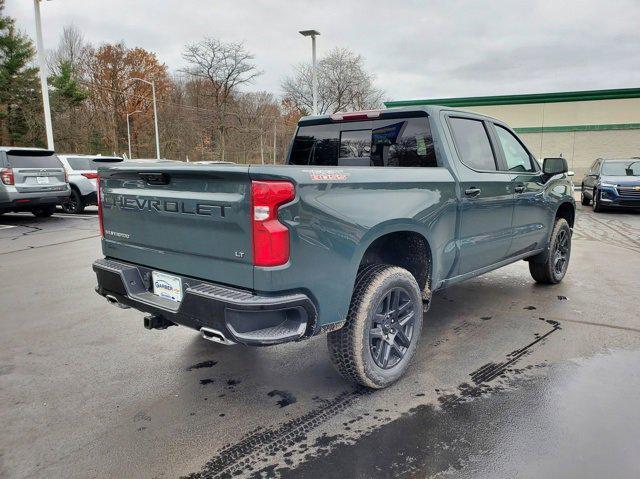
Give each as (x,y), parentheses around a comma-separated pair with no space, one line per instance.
(373,212)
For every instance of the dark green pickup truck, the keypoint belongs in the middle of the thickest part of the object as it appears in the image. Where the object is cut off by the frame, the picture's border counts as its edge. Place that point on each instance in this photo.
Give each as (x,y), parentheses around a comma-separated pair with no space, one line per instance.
(374,212)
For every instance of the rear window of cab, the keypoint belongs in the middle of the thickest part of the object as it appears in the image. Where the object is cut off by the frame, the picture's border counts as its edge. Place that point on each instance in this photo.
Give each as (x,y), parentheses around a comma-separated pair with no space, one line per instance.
(399,142)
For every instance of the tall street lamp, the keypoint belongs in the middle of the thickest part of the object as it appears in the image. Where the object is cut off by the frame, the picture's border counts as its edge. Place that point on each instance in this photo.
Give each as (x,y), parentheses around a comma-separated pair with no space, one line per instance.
(43,76)
(129,131)
(314,78)
(155,112)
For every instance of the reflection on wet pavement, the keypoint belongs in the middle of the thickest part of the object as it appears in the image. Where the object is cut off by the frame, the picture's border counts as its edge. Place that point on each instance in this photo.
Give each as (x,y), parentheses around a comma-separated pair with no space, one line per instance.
(578,420)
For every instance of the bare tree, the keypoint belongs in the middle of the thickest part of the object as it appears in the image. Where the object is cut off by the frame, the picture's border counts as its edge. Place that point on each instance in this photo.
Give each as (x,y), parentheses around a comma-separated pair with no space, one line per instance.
(72,49)
(225,66)
(343,84)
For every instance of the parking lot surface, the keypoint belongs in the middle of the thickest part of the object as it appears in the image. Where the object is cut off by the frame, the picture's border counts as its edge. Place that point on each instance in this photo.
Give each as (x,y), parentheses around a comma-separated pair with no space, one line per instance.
(511,378)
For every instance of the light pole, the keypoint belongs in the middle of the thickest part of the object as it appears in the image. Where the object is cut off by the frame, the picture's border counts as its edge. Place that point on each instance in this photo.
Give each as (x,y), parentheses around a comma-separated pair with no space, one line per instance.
(129,131)
(43,76)
(155,112)
(314,77)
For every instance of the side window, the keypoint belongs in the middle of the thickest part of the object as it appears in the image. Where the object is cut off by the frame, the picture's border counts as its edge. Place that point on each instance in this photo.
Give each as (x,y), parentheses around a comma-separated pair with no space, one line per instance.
(472,143)
(518,159)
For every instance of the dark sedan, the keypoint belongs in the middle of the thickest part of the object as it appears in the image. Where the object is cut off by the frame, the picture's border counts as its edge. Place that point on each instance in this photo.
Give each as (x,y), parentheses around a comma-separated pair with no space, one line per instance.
(610,183)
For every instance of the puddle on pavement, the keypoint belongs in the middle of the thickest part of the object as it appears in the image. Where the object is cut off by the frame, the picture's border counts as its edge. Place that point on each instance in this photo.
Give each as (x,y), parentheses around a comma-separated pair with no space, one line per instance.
(575,421)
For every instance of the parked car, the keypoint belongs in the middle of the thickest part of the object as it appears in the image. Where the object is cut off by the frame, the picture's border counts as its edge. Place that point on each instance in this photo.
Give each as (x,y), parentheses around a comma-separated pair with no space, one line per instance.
(612,183)
(31,179)
(82,171)
(353,246)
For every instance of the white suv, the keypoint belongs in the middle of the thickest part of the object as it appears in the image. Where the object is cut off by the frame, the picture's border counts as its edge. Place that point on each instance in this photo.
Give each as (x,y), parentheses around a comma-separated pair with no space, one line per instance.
(83,171)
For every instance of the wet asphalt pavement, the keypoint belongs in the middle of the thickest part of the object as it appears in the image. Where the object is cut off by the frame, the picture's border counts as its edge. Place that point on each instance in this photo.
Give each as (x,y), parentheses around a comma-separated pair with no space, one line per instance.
(511,379)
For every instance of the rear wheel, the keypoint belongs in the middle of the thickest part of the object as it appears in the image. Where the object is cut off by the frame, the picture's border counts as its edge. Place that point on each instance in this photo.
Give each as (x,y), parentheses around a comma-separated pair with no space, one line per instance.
(44,212)
(583,199)
(74,204)
(383,327)
(557,261)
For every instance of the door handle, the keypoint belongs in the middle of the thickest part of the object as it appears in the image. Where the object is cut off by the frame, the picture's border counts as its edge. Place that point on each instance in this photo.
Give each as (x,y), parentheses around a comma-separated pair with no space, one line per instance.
(520,189)
(472,191)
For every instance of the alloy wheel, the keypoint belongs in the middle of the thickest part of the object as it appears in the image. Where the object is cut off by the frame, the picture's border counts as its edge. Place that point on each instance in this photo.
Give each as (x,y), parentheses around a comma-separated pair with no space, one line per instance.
(561,253)
(70,205)
(392,328)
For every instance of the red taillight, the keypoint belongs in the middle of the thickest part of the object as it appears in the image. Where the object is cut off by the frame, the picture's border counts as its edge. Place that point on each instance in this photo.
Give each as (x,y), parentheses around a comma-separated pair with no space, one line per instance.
(270,237)
(90,176)
(100,220)
(7,176)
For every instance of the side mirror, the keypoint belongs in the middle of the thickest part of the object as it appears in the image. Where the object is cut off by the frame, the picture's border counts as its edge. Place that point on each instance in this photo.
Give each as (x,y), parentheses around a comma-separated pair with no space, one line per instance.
(554,166)
(571,173)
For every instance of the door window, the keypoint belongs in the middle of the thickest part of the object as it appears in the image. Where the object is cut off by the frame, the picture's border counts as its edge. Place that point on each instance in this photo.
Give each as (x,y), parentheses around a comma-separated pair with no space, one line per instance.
(472,144)
(517,157)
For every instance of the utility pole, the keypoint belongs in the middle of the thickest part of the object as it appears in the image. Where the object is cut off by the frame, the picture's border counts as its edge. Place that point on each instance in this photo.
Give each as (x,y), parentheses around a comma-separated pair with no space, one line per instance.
(314,78)
(155,111)
(129,131)
(275,126)
(43,76)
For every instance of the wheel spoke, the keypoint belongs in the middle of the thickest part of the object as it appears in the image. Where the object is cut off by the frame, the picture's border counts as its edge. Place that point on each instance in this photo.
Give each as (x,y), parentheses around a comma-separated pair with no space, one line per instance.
(402,339)
(380,352)
(379,318)
(403,306)
(395,301)
(386,304)
(397,353)
(402,322)
(376,333)
(385,350)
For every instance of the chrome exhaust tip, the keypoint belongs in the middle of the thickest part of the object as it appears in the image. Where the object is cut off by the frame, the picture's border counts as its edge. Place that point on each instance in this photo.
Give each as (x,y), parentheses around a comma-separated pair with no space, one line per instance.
(113,300)
(216,336)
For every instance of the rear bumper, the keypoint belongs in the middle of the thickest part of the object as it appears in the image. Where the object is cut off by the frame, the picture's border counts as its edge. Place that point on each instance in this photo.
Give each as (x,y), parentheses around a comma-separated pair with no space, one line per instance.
(240,315)
(28,202)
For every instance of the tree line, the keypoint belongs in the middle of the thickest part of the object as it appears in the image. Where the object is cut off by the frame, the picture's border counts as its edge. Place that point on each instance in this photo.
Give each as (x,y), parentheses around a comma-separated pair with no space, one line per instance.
(206,110)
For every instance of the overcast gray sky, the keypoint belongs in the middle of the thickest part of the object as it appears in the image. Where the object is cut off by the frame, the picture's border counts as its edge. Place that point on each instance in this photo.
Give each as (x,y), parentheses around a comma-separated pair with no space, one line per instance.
(416,49)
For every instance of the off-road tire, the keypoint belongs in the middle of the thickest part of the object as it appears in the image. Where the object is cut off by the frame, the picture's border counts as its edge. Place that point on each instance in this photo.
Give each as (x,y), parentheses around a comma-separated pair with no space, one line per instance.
(583,199)
(545,273)
(349,347)
(44,212)
(75,205)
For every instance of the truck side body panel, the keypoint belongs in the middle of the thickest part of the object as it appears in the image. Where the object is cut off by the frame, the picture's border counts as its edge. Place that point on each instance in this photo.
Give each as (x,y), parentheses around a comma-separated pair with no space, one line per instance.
(333,222)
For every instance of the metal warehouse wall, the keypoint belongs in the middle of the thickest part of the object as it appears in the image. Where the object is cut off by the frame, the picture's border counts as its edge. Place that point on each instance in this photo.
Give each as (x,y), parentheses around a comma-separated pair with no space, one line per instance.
(581,148)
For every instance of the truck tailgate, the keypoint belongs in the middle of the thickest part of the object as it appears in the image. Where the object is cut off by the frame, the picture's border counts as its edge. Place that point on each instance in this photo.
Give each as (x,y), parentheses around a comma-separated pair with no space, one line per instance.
(191,220)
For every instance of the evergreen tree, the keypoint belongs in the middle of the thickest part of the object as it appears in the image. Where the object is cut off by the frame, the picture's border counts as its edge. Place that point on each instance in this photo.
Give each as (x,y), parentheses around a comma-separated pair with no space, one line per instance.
(67,92)
(18,82)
